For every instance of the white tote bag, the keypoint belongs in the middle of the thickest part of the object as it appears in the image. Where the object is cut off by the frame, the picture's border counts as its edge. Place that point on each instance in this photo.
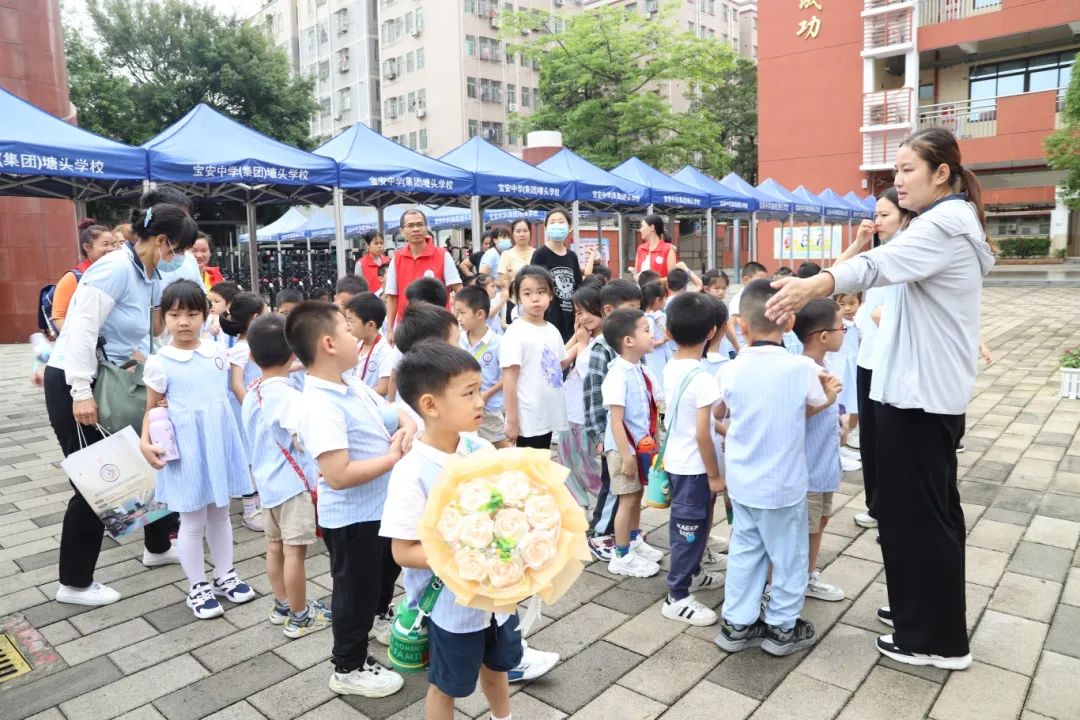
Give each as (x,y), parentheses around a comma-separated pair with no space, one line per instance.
(116,481)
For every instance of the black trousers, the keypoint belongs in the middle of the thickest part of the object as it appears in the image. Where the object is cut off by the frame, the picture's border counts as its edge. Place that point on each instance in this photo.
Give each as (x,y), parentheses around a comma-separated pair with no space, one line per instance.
(540,442)
(922,528)
(80,539)
(607,505)
(867,435)
(363,582)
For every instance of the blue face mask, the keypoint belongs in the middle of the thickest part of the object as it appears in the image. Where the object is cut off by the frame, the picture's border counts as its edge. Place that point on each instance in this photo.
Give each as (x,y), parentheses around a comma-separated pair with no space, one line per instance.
(504,244)
(172,264)
(557,232)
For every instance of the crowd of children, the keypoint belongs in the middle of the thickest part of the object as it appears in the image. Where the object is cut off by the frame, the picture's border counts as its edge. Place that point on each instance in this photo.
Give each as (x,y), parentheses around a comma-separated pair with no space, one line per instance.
(343,432)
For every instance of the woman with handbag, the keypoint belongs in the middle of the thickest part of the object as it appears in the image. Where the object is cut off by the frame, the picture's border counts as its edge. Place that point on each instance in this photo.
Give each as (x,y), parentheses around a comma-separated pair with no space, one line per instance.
(112,305)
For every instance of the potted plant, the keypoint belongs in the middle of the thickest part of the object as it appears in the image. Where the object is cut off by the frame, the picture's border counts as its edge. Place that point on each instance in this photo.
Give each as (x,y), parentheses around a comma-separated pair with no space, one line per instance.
(1070,374)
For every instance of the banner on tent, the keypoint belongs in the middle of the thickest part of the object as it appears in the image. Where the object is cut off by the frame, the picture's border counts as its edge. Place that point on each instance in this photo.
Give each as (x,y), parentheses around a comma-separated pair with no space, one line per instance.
(808,243)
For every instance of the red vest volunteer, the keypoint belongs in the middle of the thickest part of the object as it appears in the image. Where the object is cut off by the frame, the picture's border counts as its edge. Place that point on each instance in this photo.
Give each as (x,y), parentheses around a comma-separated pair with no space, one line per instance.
(405,266)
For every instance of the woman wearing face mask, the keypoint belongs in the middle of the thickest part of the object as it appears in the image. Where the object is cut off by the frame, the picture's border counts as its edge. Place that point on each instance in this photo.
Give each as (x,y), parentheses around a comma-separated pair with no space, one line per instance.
(654,253)
(500,243)
(113,301)
(921,386)
(565,270)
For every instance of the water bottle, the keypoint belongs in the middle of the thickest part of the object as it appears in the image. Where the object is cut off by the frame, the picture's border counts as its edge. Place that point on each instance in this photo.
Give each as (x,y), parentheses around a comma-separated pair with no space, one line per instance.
(41,347)
(162,434)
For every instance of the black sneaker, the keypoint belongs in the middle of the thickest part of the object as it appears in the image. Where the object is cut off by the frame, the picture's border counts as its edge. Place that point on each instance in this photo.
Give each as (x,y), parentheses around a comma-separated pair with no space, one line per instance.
(785,642)
(960,448)
(888,648)
(884,614)
(733,638)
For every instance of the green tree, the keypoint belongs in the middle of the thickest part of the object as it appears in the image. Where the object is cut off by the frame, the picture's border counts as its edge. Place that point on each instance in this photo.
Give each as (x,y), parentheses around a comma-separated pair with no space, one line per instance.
(607,76)
(732,102)
(153,61)
(1063,146)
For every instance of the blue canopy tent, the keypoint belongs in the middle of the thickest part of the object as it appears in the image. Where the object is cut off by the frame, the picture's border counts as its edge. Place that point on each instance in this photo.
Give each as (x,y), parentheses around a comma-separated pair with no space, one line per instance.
(43,156)
(292,219)
(858,207)
(834,204)
(824,210)
(664,190)
(801,206)
(500,176)
(721,197)
(870,202)
(210,155)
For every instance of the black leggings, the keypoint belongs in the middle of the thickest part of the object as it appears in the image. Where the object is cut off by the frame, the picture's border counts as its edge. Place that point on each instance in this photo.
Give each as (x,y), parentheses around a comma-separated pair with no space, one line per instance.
(80,539)
(541,442)
(867,439)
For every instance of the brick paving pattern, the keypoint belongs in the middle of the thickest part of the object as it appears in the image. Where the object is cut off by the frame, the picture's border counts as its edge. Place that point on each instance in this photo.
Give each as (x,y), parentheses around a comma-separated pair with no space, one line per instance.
(147,658)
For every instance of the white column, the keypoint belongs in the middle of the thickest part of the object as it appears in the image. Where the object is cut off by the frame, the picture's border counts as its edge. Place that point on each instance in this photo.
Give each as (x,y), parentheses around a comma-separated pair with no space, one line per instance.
(575,217)
(710,239)
(477,220)
(620,251)
(339,232)
(736,242)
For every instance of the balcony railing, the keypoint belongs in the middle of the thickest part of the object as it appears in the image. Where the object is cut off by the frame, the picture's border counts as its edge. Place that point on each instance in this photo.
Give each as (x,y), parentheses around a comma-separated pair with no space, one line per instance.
(966,119)
(879,149)
(877,4)
(887,107)
(889,28)
(932,12)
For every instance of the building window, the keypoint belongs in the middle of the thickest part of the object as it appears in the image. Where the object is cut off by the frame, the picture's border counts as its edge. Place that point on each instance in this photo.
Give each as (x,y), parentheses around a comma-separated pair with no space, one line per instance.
(926,91)
(421,98)
(342,17)
(324,69)
(324,34)
(474,128)
(412,102)
(423,140)
(1012,77)
(470,45)
(324,107)
(470,7)
(412,140)
(526,97)
(511,94)
(345,99)
(343,60)
(470,88)
(492,132)
(410,62)
(309,35)
(419,58)
(409,22)
(419,19)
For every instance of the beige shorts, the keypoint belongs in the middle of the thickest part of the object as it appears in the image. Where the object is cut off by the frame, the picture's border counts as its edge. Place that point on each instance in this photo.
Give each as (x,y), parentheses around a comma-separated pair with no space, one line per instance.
(493,426)
(621,484)
(292,522)
(819,506)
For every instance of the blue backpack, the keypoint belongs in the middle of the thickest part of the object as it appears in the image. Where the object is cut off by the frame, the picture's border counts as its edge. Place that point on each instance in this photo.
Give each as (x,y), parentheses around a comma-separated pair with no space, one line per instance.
(45,305)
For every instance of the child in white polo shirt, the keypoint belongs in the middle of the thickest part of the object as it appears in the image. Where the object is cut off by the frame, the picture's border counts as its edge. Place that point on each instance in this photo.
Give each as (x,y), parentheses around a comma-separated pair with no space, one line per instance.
(769,393)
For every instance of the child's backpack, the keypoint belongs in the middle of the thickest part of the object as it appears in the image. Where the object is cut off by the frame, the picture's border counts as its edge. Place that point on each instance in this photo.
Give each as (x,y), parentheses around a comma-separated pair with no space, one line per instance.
(45,305)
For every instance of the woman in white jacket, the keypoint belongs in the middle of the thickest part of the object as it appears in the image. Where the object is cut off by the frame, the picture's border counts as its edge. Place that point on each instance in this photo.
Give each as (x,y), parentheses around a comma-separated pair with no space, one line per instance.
(922,382)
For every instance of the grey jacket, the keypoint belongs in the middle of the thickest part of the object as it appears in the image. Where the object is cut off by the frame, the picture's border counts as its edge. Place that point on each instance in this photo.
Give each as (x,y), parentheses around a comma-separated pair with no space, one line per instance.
(930,335)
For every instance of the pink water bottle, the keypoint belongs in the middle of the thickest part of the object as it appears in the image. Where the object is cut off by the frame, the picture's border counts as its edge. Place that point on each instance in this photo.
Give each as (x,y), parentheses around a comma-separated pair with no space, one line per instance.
(162,434)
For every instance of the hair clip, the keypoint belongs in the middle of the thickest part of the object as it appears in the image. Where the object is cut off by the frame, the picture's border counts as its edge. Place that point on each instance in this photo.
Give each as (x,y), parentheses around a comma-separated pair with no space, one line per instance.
(149,217)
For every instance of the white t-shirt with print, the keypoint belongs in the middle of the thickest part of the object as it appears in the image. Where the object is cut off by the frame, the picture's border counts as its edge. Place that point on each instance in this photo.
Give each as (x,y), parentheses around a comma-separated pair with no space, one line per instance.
(682,456)
(539,351)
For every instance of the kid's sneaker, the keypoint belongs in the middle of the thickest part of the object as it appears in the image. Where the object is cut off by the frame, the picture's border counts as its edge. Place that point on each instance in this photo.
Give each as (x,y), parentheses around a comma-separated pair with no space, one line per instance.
(380,630)
(202,602)
(279,614)
(632,565)
(819,590)
(317,618)
(688,610)
(643,549)
(707,581)
(785,642)
(714,560)
(602,547)
(372,680)
(733,638)
(229,586)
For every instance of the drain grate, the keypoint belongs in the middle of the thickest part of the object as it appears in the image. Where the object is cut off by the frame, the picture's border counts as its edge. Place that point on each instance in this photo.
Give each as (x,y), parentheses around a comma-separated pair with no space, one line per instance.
(12,663)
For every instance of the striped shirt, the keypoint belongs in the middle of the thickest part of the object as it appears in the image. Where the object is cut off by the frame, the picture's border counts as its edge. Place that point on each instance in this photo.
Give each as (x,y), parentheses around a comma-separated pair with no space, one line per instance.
(346,416)
(766,391)
(823,450)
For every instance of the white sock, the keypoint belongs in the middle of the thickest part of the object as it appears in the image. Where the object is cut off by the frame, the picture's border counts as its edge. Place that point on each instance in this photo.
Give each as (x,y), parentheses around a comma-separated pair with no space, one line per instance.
(508,717)
(219,538)
(189,545)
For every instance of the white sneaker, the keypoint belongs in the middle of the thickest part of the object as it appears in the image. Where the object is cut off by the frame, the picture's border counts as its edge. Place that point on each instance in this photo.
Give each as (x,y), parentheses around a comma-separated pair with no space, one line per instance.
(380,630)
(689,611)
(643,549)
(202,602)
(253,519)
(866,520)
(632,565)
(534,663)
(169,557)
(707,581)
(714,560)
(719,543)
(372,680)
(853,438)
(819,590)
(96,594)
(849,464)
(846,452)
(887,647)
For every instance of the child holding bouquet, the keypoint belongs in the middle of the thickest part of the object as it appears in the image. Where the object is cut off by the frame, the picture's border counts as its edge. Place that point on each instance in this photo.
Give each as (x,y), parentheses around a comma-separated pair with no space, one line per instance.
(442,384)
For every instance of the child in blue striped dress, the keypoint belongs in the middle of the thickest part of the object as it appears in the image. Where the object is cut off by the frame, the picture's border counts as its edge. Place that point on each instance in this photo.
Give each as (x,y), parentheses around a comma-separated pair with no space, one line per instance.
(244,308)
(213,464)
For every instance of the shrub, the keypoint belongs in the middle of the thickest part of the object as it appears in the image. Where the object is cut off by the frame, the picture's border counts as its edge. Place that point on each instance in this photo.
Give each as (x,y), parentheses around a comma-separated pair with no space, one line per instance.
(1071,358)
(1023,247)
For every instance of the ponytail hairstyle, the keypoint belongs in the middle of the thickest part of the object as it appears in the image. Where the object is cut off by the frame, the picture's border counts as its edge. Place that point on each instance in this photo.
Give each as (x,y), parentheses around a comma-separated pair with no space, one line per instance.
(89,230)
(168,220)
(657,223)
(937,147)
(245,307)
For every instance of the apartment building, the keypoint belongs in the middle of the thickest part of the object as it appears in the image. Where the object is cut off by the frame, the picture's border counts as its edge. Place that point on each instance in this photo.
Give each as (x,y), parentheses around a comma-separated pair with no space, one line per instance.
(727,21)
(991,71)
(335,42)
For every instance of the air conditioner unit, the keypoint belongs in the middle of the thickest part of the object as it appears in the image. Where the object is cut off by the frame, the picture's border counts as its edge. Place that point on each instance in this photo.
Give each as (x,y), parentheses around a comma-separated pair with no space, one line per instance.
(421,113)
(495,22)
(511,107)
(391,75)
(337,115)
(416,32)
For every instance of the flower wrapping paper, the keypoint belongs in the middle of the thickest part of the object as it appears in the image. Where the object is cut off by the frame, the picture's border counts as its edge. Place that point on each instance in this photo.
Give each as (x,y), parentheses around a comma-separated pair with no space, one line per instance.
(500,526)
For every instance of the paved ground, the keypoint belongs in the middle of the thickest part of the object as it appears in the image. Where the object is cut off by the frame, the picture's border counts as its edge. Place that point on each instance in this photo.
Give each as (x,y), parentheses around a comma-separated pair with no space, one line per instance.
(147,658)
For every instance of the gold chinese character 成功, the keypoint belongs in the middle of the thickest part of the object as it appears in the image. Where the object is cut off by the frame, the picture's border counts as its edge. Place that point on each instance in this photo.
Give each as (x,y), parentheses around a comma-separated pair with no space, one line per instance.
(809,28)
(804,4)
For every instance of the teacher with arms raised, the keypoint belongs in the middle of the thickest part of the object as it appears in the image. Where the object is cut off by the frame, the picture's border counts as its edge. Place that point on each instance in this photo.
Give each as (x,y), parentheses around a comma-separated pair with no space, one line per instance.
(921,386)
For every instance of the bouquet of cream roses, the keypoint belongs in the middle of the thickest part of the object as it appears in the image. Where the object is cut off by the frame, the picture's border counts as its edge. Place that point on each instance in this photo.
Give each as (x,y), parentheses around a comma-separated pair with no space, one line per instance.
(500,526)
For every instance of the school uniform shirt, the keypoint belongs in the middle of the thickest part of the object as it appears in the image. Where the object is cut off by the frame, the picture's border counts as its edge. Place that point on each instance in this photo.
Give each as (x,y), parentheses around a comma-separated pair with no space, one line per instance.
(657,360)
(733,310)
(823,450)
(410,485)
(375,363)
(842,364)
(239,355)
(486,352)
(766,391)
(539,351)
(713,363)
(271,416)
(566,273)
(574,385)
(626,385)
(346,416)
(681,455)
(494,321)
(112,301)
(489,262)
(876,297)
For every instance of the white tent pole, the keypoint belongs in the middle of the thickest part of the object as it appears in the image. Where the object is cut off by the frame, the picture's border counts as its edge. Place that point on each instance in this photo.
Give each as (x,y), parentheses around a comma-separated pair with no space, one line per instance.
(620,251)
(735,247)
(791,224)
(310,272)
(822,240)
(600,244)
(339,232)
(253,248)
(751,251)
(710,238)
(575,212)
(477,224)
(280,269)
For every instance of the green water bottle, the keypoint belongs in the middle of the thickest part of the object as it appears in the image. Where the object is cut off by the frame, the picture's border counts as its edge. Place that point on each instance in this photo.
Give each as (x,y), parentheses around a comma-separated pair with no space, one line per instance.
(408,650)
